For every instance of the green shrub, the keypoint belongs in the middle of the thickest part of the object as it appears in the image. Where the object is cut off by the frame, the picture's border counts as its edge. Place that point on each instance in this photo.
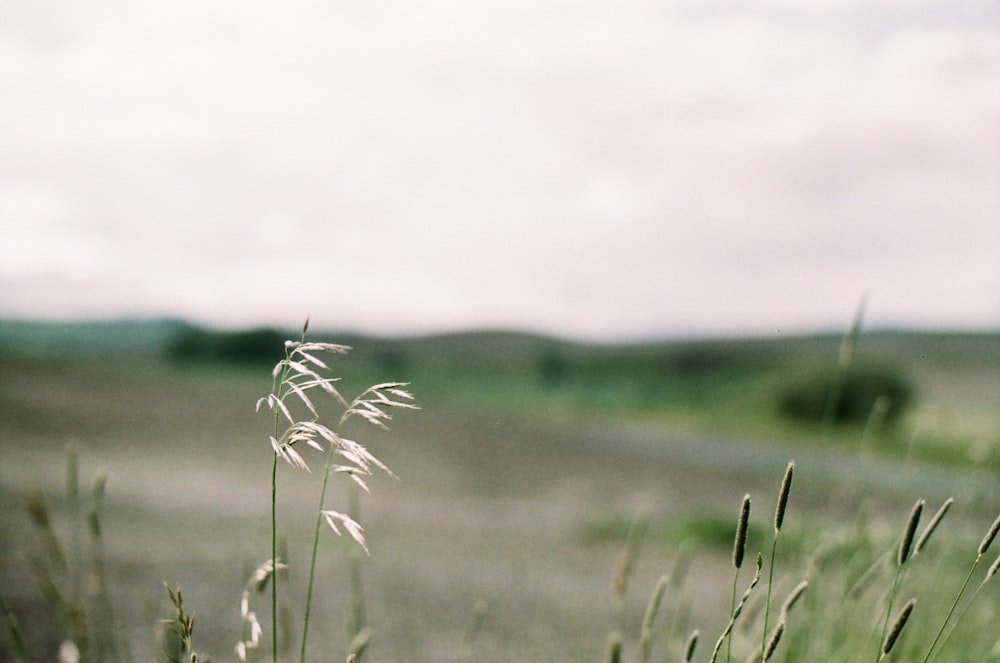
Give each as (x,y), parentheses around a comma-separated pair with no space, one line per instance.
(251,346)
(853,392)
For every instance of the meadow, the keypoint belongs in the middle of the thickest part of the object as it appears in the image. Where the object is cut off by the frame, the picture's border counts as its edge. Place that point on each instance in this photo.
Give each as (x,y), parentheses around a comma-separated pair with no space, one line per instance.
(532,467)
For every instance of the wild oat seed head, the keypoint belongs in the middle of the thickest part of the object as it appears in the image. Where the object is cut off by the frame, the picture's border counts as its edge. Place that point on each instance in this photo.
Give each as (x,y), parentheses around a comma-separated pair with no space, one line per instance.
(990,535)
(786,486)
(932,525)
(911,528)
(355,530)
(740,545)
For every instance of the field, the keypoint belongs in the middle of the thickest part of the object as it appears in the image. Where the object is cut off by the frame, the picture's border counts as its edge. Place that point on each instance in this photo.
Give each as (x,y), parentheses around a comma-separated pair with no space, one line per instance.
(518,481)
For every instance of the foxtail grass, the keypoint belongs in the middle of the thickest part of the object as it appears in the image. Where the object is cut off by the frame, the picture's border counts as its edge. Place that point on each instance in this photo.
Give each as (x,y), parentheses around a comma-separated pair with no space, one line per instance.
(739,552)
(613,647)
(737,611)
(773,640)
(902,557)
(73,577)
(691,646)
(844,359)
(625,566)
(984,546)
(779,518)
(897,629)
(932,525)
(652,608)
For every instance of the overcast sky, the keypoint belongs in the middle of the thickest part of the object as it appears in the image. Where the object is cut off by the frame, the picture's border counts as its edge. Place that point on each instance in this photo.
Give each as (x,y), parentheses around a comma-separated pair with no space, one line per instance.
(591,168)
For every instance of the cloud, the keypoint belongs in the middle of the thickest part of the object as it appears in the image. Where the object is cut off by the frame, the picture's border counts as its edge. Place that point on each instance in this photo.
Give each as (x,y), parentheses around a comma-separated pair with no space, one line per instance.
(596,167)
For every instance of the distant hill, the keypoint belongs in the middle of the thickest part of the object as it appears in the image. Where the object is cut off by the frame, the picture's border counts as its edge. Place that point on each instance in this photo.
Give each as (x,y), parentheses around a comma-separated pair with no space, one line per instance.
(97,338)
(955,377)
(504,350)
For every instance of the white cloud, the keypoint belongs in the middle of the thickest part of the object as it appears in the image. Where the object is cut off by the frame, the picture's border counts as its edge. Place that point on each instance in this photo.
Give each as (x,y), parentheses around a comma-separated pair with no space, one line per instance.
(593,166)
(43,235)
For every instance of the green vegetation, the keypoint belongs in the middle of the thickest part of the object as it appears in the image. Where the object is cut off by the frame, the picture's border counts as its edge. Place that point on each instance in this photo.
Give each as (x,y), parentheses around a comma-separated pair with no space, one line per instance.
(862,391)
(254,346)
(520,481)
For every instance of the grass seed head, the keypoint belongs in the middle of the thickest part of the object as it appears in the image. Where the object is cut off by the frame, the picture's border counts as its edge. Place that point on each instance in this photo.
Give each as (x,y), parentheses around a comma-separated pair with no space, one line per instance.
(793,597)
(692,644)
(786,486)
(990,535)
(613,648)
(772,642)
(897,627)
(740,545)
(911,527)
(932,525)
(994,567)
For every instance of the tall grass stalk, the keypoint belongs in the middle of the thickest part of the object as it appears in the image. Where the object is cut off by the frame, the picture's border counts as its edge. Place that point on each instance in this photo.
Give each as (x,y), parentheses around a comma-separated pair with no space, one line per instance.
(779,518)
(293,379)
(932,525)
(727,632)
(902,557)
(357,616)
(739,551)
(897,628)
(652,608)
(994,567)
(626,565)
(14,629)
(984,545)
(844,359)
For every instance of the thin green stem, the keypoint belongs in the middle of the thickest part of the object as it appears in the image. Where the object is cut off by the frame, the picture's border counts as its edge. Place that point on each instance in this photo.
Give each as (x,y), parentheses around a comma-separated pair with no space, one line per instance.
(732,606)
(888,611)
(312,560)
(277,388)
(951,611)
(274,557)
(767,601)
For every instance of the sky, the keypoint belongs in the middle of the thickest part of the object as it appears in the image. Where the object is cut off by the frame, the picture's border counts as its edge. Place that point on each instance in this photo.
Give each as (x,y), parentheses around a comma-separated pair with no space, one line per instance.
(601,169)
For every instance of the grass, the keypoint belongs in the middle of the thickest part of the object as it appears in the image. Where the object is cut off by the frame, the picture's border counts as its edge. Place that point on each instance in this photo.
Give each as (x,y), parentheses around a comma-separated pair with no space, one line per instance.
(477,552)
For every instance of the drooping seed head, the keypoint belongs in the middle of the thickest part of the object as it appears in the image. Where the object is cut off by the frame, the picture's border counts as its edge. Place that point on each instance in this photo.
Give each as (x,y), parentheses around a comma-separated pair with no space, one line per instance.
(990,535)
(897,628)
(911,528)
(932,525)
(786,486)
(740,545)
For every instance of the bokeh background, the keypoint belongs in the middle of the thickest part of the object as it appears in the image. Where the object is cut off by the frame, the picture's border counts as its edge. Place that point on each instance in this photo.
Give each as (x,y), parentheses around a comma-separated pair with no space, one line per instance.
(632,257)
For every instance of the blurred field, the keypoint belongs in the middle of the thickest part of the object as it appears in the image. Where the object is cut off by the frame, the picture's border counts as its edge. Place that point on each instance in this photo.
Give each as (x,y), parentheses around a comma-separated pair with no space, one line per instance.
(517,481)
